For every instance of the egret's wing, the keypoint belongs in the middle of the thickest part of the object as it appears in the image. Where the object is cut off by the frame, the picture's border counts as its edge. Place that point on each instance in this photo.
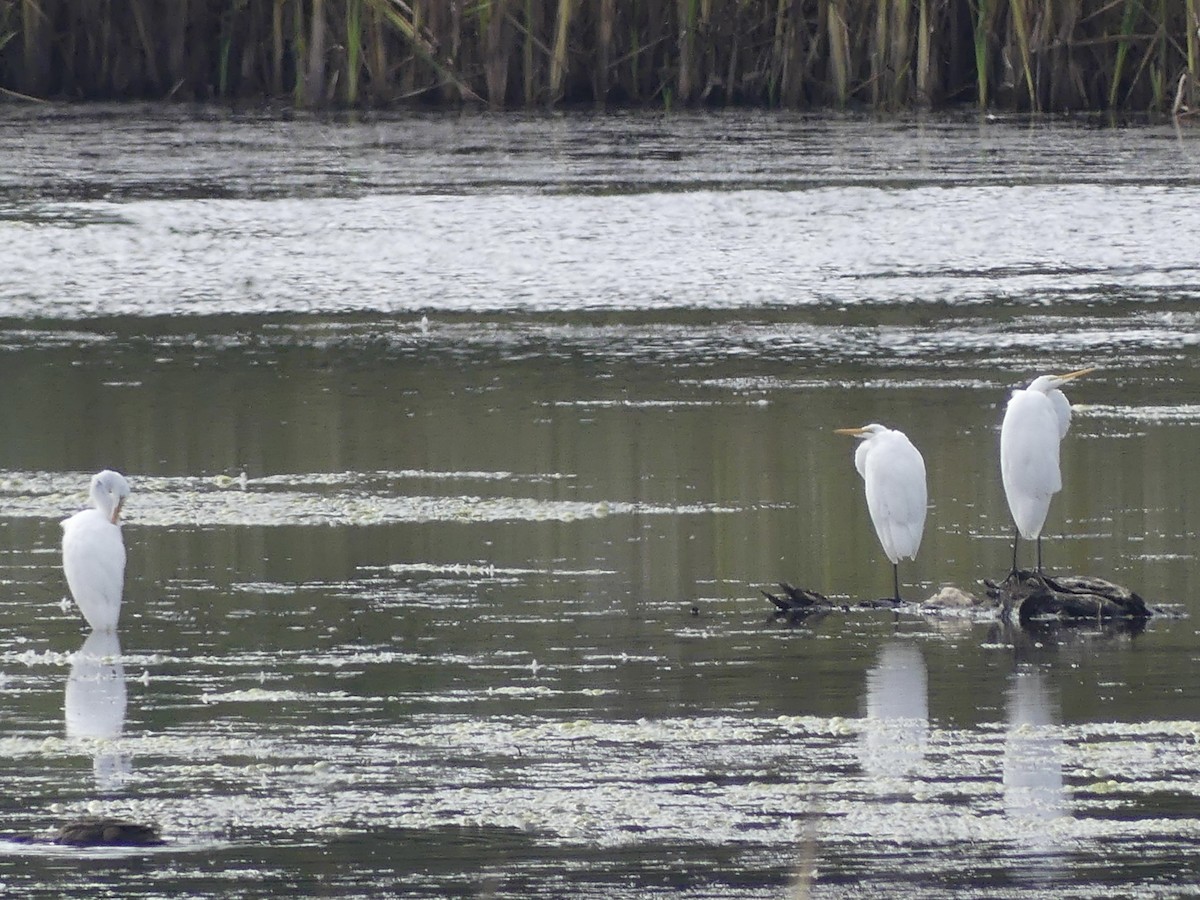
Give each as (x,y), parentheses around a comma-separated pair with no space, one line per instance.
(1029,440)
(860,458)
(94,563)
(1062,411)
(896,494)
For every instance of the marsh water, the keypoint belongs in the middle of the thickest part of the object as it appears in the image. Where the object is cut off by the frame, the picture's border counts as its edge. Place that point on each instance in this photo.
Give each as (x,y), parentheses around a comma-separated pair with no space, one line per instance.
(461,449)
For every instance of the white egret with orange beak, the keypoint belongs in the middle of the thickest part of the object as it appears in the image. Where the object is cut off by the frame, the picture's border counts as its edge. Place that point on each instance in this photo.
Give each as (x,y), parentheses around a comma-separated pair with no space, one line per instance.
(94,552)
(1035,422)
(894,472)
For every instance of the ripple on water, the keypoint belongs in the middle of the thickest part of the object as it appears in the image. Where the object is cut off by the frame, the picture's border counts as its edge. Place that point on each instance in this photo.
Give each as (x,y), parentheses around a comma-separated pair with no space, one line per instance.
(353,500)
(714,780)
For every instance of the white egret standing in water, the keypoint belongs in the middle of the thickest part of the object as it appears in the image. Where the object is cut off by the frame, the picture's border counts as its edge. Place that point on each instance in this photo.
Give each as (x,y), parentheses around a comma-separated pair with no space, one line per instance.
(894,473)
(1036,420)
(94,552)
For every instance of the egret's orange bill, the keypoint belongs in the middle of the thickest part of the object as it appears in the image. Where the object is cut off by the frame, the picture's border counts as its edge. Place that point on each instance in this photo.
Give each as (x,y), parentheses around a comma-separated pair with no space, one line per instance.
(1077,373)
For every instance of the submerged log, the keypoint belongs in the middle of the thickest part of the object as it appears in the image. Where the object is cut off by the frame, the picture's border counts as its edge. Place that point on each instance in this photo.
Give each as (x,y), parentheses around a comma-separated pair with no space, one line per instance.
(799,603)
(1037,599)
(108,833)
(96,832)
(1036,596)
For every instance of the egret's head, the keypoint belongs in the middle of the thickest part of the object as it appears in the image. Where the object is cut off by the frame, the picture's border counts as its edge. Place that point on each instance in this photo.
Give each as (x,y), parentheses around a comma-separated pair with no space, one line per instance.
(109,490)
(862,433)
(1045,383)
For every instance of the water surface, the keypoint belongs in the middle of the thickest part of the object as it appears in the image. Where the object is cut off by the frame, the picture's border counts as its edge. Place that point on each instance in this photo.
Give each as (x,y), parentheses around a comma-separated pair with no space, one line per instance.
(463,446)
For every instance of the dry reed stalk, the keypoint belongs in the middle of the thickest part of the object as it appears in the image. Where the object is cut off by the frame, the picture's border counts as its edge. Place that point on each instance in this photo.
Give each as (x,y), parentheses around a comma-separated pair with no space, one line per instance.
(496,63)
(454,28)
(1065,81)
(1114,85)
(314,81)
(223,63)
(532,7)
(732,69)
(879,62)
(1192,23)
(1020,18)
(839,50)
(299,55)
(984,14)
(777,66)
(925,72)
(176,45)
(413,70)
(353,45)
(277,48)
(419,39)
(901,49)
(558,56)
(379,69)
(1147,71)
(686,83)
(1159,69)
(604,36)
(1180,106)
(659,31)
(139,21)
(794,74)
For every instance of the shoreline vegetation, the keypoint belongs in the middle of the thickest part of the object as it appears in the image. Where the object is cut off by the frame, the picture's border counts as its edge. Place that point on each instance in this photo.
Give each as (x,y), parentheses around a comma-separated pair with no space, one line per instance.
(1011,55)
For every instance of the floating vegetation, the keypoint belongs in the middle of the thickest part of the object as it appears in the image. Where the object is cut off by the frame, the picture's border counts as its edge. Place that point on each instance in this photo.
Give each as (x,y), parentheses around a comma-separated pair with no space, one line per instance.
(297,500)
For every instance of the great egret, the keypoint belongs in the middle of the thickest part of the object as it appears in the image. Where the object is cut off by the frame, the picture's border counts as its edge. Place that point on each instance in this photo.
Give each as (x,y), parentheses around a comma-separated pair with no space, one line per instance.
(1036,420)
(94,552)
(894,473)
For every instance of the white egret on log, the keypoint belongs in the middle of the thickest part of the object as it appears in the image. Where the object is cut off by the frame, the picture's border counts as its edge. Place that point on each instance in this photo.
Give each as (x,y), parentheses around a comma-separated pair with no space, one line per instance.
(1035,422)
(894,473)
(94,552)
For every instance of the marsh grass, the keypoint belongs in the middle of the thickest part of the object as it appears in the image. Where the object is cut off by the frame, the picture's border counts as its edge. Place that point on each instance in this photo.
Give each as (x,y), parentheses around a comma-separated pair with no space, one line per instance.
(888,54)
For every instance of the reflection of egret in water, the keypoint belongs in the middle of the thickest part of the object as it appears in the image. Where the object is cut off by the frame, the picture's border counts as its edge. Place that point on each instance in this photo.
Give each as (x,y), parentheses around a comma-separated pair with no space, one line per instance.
(95,704)
(897,724)
(1034,793)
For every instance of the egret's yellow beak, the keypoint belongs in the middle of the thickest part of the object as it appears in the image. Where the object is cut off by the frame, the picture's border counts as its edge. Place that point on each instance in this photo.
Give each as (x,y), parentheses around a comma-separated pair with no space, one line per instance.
(1076,373)
(117,511)
(853,432)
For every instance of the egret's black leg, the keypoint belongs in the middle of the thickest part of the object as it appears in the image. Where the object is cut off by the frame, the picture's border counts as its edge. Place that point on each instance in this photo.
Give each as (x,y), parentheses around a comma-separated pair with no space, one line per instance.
(1016,541)
(1039,543)
(896,580)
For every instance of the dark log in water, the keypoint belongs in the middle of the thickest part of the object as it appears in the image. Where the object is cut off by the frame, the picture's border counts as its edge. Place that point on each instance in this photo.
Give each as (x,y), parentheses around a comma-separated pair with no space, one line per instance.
(1037,596)
(96,832)
(107,833)
(799,603)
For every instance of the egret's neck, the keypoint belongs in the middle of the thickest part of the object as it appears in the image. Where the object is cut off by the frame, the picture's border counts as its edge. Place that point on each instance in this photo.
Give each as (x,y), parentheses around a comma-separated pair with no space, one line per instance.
(107,503)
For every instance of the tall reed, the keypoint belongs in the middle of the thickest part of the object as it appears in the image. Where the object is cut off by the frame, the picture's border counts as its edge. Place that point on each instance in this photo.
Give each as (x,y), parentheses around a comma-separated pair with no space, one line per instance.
(1012,54)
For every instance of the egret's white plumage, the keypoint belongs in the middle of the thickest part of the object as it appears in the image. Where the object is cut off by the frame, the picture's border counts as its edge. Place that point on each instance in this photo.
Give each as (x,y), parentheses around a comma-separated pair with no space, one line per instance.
(894,473)
(1035,422)
(94,552)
